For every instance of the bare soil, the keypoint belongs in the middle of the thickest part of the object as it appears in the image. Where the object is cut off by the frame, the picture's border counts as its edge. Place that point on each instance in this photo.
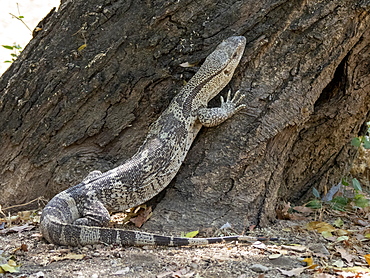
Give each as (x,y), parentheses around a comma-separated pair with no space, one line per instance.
(37,258)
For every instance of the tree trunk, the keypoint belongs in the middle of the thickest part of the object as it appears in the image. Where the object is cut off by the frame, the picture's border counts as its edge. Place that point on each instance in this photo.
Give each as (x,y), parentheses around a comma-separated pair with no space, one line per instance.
(86,88)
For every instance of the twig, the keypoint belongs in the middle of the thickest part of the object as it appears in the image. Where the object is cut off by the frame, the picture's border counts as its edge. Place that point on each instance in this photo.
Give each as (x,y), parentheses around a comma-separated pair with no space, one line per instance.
(21,205)
(17,17)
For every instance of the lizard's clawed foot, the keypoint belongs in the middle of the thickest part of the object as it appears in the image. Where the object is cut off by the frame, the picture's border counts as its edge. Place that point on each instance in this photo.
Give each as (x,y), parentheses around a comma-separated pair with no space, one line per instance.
(233,102)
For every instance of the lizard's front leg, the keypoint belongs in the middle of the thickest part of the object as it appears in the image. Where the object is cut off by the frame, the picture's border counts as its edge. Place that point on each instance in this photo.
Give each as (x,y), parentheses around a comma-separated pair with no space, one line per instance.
(214,116)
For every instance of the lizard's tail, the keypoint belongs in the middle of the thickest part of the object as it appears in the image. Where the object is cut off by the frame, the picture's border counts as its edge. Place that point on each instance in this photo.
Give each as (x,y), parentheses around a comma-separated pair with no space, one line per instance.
(76,235)
(183,241)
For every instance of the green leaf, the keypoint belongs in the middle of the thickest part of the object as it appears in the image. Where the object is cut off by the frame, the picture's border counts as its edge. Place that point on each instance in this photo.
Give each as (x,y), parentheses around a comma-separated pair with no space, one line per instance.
(315,193)
(344,182)
(356,142)
(366,144)
(326,234)
(17,46)
(192,234)
(7,61)
(14,55)
(21,16)
(340,200)
(361,201)
(8,47)
(315,204)
(9,268)
(339,203)
(82,47)
(338,223)
(342,238)
(356,184)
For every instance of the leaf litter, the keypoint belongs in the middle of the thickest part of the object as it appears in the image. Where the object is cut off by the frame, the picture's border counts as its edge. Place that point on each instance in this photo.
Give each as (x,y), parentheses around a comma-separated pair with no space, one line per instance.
(317,242)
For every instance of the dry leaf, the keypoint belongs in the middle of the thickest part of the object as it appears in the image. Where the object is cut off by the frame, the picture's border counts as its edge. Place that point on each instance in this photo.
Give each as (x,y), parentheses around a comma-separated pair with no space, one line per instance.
(338,263)
(344,254)
(293,272)
(82,47)
(187,65)
(274,256)
(360,222)
(18,229)
(297,248)
(303,209)
(70,256)
(309,262)
(142,217)
(367,258)
(355,269)
(323,275)
(320,226)
(284,213)
(341,232)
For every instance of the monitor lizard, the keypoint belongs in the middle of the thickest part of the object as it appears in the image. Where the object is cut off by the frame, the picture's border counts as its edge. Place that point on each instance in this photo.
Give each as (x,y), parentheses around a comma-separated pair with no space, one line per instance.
(80,215)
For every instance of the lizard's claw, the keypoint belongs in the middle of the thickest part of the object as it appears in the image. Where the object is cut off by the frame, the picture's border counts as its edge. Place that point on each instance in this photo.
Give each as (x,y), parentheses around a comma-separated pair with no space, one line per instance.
(233,102)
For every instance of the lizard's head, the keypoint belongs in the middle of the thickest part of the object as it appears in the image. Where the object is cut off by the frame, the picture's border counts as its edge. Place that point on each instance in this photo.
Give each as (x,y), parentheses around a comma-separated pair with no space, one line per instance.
(218,68)
(228,53)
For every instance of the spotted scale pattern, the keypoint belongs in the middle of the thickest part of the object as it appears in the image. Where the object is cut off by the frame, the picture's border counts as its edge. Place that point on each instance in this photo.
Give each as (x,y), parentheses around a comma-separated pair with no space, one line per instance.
(80,214)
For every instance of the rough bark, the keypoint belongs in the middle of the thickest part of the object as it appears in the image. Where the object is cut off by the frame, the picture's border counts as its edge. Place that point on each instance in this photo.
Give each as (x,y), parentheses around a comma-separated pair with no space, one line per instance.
(66,110)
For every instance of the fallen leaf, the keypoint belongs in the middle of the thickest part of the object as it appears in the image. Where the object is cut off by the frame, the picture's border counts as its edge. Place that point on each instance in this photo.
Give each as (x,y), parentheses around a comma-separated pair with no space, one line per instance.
(309,262)
(122,271)
(70,256)
(26,215)
(324,275)
(274,256)
(338,223)
(142,217)
(293,272)
(10,267)
(297,248)
(320,226)
(344,254)
(342,238)
(341,232)
(303,209)
(338,263)
(18,229)
(192,234)
(286,212)
(82,47)
(24,247)
(367,258)
(360,222)
(326,234)
(164,274)
(251,227)
(187,65)
(355,269)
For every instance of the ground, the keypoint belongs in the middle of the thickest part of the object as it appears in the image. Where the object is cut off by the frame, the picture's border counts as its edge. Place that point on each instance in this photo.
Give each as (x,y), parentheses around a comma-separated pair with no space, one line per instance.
(323,243)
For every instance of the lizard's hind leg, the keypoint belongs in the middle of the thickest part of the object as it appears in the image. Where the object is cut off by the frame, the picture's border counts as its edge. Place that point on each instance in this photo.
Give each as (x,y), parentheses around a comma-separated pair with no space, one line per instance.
(93,214)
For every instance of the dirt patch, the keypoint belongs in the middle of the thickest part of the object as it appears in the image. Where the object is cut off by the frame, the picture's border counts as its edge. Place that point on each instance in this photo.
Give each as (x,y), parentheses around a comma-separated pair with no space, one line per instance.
(297,250)
(221,260)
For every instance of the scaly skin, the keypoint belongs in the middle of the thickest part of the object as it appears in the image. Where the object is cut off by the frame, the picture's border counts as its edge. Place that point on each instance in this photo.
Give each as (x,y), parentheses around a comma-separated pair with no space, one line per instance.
(77,216)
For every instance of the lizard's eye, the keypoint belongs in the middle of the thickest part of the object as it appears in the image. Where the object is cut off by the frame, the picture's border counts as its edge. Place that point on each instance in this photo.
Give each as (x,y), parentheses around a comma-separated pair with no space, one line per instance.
(226,72)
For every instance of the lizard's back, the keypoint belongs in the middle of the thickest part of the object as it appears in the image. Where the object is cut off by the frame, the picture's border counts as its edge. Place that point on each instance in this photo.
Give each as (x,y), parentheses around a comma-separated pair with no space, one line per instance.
(68,216)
